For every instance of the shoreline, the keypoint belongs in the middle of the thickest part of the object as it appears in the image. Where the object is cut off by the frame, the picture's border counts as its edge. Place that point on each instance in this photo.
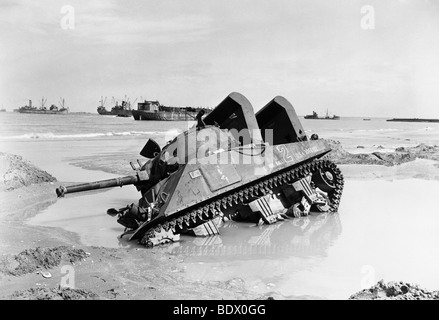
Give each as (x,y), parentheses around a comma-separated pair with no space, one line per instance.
(136,272)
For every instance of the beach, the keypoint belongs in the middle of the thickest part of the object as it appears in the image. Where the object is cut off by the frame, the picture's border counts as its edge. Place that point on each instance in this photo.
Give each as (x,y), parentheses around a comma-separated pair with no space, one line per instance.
(385,228)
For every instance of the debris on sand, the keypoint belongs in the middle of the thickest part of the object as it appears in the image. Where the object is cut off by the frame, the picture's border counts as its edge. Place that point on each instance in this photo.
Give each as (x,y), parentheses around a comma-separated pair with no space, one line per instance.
(422,151)
(31,260)
(54,294)
(16,172)
(401,155)
(395,291)
(45,274)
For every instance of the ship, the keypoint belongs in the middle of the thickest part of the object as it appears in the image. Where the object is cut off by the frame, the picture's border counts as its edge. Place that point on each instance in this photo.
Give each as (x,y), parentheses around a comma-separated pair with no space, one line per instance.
(53,109)
(153,110)
(314,115)
(413,120)
(101,108)
(120,110)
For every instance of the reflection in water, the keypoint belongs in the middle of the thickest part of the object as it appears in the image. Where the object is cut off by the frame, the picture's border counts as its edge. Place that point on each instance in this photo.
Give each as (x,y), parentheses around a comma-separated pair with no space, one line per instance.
(84,214)
(306,236)
(265,259)
(30,211)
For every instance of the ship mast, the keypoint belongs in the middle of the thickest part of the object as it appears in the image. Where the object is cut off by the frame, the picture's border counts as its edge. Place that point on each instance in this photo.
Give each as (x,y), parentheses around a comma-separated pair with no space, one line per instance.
(43,102)
(103,101)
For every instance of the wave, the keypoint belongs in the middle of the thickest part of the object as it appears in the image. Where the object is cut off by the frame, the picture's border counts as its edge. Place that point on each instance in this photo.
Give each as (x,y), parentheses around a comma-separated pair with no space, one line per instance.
(377,130)
(53,136)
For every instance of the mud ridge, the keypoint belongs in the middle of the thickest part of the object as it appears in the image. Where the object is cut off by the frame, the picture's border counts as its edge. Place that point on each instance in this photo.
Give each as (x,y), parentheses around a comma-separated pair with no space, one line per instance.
(54,294)
(395,291)
(401,155)
(30,260)
(16,172)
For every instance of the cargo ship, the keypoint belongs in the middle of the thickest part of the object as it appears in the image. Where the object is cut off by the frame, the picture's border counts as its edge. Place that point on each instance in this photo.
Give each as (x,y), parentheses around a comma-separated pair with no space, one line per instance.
(53,109)
(315,116)
(120,110)
(153,110)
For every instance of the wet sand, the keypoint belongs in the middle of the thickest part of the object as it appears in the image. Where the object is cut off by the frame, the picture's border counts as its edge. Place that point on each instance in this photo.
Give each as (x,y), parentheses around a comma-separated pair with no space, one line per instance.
(385,229)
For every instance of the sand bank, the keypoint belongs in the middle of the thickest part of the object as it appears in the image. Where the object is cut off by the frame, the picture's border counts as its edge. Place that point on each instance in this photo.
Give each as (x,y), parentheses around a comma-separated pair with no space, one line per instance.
(398,156)
(395,291)
(17,172)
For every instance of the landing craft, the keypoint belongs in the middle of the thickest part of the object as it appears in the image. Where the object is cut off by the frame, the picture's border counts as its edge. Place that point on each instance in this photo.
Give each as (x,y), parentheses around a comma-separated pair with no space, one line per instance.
(237,165)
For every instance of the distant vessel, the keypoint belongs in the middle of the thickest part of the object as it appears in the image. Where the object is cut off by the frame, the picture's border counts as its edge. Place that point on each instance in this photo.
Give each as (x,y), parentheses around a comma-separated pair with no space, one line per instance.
(101,108)
(366,119)
(2,110)
(413,120)
(314,115)
(153,110)
(53,109)
(122,110)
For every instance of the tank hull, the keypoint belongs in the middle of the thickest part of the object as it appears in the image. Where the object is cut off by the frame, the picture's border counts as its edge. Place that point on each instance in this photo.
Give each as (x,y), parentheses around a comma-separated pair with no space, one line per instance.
(234,164)
(201,191)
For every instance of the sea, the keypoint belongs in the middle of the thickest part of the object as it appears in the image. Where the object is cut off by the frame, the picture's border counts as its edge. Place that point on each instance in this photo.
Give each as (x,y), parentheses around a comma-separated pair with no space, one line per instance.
(385,228)
(351,131)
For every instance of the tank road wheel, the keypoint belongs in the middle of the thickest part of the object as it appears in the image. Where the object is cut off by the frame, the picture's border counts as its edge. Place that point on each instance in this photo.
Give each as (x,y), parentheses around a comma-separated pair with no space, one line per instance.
(299,209)
(329,179)
(294,211)
(158,235)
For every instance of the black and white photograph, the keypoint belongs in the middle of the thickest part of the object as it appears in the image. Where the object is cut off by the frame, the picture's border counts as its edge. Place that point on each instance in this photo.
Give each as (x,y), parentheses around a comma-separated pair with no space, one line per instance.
(200,151)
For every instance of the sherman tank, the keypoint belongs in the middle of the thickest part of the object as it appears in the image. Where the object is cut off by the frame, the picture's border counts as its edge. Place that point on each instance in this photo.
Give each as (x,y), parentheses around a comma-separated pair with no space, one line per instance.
(233,164)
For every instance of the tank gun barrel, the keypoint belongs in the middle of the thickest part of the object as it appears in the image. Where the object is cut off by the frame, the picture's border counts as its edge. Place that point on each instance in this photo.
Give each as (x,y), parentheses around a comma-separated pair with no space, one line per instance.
(109,183)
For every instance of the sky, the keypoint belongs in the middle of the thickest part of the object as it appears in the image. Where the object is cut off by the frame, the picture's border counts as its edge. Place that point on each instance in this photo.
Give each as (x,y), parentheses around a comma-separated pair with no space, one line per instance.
(360,58)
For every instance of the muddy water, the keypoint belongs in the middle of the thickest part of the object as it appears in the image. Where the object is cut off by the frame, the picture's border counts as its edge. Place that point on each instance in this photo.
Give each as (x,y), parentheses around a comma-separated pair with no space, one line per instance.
(85,215)
(384,230)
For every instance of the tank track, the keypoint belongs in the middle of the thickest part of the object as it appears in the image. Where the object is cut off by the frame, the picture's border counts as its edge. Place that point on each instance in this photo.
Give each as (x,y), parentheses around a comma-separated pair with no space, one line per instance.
(165,231)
